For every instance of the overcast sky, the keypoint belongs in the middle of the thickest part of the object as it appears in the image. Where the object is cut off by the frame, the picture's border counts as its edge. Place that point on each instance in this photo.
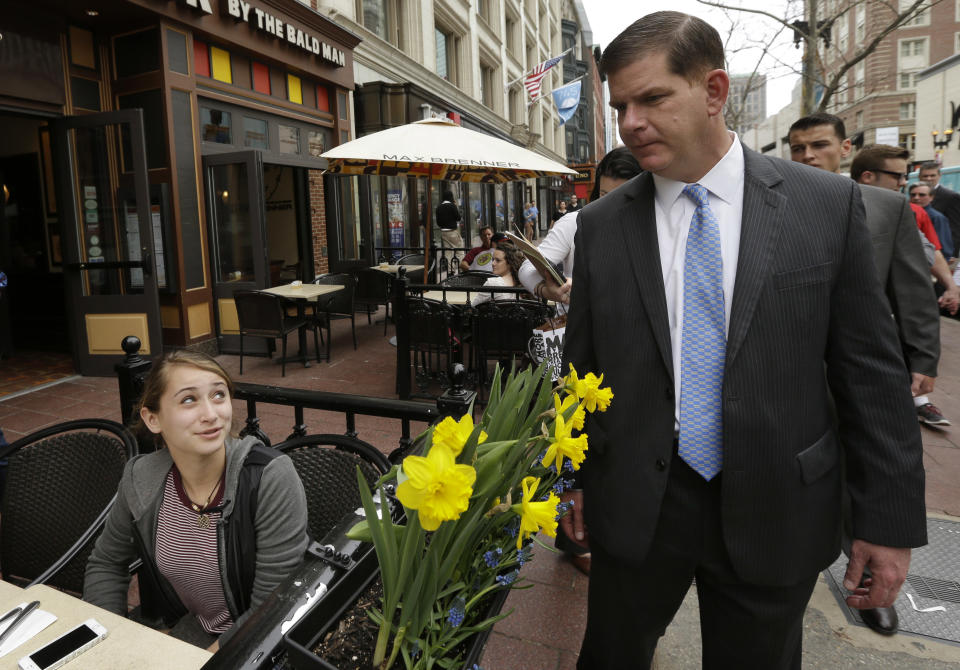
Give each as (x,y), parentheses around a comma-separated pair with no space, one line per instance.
(609,17)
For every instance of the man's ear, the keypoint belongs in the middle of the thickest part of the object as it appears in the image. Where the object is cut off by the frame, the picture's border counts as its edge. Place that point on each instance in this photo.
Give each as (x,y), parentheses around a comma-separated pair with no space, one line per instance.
(869,178)
(717,85)
(845,148)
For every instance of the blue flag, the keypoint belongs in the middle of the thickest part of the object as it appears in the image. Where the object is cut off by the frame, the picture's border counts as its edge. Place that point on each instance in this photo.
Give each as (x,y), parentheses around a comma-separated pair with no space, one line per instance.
(567,99)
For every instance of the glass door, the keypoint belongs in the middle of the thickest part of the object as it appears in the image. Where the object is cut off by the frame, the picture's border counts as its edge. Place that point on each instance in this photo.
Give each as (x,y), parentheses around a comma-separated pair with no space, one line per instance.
(108,232)
(235,202)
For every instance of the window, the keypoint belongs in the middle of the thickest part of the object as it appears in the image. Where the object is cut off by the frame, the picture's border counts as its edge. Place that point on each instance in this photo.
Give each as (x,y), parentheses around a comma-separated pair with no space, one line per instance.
(487,85)
(216,125)
(920,18)
(956,42)
(220,65)
(861,22)
(908,110)
(907,80)
(255,133)
(843,32)
(513,100)
(511,36)
(911,48)
(909,141)
(487,9)
(294,89)
(382,18)
(289,139)
(447,45)
(859,120)
(858,77)
(261,78)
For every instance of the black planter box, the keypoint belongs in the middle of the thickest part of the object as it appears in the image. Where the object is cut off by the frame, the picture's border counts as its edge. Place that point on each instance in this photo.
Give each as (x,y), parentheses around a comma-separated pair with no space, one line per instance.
(306,634)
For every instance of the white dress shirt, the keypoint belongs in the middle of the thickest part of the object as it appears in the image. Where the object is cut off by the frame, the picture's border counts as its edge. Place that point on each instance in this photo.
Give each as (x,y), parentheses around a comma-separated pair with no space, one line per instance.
(556,247)
(674,212)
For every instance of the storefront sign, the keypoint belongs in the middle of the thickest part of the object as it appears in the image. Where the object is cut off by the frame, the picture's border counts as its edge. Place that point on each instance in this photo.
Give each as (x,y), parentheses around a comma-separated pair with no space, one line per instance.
(269,23)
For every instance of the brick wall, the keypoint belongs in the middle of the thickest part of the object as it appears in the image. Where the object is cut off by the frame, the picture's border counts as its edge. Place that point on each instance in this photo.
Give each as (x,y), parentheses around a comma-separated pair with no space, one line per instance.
(318,223)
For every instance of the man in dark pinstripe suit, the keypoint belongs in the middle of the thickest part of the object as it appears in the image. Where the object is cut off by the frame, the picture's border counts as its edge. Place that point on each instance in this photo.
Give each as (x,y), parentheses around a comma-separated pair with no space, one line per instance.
(803,320)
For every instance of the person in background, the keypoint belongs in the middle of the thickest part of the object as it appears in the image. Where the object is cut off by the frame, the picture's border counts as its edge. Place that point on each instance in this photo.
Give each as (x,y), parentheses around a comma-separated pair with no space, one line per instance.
(448,220)
(945,201)
(574,203)
(218,522)
(479,258)
(530,217)
(559,213)
(507,260)
(920,195)
(557,246)
(820,141)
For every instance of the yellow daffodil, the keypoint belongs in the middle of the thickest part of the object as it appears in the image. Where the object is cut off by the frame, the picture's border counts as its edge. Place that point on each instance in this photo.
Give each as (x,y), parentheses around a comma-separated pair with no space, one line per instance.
(589,391)
(535,516)
(454,434)
(436,486)
(564,445)
(561,406)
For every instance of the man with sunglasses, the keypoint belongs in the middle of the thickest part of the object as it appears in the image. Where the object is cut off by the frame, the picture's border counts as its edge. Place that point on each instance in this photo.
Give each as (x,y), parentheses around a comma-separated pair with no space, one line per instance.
(886,166)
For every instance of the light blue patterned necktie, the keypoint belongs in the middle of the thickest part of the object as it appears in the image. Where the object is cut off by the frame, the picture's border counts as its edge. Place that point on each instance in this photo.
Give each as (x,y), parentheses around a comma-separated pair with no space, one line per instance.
(704,342)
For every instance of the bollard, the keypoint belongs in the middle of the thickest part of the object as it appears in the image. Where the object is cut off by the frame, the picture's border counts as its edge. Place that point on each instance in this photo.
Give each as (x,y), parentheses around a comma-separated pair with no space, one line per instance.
(456,400)
(130,375)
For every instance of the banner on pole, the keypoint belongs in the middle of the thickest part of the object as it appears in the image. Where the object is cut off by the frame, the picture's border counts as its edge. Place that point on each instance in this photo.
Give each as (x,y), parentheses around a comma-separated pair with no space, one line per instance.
(567,99)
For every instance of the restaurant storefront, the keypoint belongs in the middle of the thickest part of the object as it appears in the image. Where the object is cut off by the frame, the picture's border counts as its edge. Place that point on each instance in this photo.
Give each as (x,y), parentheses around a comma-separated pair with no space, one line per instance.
(156,156)
(382,215)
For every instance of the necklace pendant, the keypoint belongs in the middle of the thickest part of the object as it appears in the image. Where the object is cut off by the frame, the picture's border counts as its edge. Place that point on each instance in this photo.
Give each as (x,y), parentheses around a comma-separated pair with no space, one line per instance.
(203,521)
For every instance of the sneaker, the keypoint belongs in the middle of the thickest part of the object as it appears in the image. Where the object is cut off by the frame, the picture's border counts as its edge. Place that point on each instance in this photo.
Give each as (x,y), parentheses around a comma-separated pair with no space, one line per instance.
(931,416)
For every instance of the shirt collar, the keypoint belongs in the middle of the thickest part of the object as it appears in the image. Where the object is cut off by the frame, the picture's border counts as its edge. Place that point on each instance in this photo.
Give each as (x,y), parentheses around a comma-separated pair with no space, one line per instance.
(724,180)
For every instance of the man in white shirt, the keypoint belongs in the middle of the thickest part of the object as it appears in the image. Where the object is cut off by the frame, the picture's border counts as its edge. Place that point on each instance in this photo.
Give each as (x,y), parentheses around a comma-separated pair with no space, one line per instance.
(730,302)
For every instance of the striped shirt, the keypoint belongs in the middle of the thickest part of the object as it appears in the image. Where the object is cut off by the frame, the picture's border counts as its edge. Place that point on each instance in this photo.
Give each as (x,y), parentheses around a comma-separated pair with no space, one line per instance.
(187,555)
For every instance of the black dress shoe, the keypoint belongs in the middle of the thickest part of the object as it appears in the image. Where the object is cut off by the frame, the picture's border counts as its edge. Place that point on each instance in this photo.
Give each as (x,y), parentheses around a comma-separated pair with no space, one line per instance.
(883,620)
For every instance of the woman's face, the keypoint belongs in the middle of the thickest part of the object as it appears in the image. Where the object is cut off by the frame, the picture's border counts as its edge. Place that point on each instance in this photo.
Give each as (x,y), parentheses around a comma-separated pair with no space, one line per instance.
(195,413)
(500,266)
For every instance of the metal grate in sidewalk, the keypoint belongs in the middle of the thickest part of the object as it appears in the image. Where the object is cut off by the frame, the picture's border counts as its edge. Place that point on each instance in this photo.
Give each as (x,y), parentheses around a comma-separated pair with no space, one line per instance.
(933,580)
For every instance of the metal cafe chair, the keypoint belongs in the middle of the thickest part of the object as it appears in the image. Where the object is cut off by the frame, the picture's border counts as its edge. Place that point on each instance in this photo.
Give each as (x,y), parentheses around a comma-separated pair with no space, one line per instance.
(262,315)
(432,327)
(502,330)
(327,465)
(337,305)
(468,278)
(373,290)
(61,483)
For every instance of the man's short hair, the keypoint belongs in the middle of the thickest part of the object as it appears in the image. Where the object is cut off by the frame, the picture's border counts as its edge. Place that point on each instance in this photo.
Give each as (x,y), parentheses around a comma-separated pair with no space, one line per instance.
(931,165)
(483,228)
(820,119)
(692,46)
(873,157)
(918,184)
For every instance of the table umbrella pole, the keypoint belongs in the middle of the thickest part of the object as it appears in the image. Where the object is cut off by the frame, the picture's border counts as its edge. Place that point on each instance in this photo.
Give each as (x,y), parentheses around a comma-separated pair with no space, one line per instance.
(426,248)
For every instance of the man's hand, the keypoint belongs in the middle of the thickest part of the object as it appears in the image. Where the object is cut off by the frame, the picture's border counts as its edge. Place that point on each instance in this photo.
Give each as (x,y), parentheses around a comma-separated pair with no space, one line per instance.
(572,522)
(950,300)
(921,384)
(551,291)
(888,567)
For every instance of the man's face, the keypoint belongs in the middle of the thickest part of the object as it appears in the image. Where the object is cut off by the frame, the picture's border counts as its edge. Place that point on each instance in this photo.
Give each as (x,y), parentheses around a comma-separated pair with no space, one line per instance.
(920,194)
(931,176)
(893,174)
(819,147)
(573,200)
(662,117)
(485,236)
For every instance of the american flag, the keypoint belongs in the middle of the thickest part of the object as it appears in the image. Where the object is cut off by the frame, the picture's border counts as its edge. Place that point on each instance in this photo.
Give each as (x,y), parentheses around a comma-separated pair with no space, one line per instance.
(532,81)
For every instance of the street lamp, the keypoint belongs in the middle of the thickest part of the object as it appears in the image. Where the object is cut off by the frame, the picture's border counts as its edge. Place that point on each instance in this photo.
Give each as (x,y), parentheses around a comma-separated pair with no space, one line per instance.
(945,142)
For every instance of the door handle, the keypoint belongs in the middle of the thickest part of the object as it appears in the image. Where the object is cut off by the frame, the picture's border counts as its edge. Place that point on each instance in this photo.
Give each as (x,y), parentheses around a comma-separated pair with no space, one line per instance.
(147,263)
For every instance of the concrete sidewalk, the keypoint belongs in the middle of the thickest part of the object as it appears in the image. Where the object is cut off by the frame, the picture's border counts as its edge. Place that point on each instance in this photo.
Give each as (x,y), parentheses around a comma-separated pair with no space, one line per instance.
(546,627)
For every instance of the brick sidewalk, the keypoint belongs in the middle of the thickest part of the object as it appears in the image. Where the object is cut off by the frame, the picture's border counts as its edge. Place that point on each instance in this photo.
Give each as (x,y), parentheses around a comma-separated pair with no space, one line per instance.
(546,627)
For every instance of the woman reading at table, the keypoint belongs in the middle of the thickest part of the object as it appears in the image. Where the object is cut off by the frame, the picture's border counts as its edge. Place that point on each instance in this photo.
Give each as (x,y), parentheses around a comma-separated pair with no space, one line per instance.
(218,522)
(507,260)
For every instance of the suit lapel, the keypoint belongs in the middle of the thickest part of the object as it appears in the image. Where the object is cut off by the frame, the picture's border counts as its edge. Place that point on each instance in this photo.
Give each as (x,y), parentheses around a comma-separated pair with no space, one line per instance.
(760,224)
(639,228)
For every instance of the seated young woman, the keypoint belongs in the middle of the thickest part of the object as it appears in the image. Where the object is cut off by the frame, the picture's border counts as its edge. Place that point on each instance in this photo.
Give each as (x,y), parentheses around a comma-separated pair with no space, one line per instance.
(507,260)
(218,522)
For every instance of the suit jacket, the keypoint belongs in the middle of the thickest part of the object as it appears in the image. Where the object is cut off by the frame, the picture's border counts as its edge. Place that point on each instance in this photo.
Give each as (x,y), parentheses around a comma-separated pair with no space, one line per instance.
(808,322)
(948,203)
(904,276)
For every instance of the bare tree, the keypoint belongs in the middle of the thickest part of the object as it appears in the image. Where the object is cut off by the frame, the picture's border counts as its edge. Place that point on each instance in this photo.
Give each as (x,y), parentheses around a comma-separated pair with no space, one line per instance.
(812,23)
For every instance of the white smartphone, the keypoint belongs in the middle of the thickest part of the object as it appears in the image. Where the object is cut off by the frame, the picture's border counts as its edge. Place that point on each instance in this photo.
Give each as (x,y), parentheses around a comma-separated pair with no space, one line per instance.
(69,645)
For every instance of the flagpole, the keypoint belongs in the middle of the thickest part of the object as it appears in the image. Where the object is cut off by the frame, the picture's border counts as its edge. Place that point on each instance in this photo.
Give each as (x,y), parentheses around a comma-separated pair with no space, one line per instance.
(524,75)
(550,95)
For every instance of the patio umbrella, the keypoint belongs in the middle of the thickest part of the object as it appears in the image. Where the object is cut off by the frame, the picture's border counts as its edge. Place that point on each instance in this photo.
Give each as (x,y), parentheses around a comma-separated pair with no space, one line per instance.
(439,149)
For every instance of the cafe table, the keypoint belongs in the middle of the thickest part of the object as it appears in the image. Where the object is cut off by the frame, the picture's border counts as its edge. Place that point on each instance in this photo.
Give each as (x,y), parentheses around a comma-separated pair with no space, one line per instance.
(301,295)
(395,269)
(128,645)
